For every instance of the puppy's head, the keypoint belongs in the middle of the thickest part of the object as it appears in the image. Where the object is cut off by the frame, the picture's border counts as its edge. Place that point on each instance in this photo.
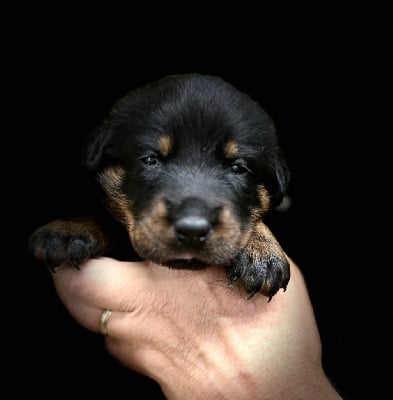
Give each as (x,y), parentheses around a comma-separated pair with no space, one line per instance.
(188,164)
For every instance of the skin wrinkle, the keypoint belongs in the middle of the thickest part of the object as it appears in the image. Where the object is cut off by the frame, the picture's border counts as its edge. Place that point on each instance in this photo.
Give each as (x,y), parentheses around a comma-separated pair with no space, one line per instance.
(201,357)
(211,360)
(168,321)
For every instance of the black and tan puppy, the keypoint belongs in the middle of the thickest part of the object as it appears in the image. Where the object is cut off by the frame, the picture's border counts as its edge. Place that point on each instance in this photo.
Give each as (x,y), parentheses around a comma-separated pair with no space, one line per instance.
(188,165)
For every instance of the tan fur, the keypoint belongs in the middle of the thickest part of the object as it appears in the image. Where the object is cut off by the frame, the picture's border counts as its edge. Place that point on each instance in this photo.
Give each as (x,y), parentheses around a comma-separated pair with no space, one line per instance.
(165,145)
(264,198)
(111,180)
(153,231)
(228,230)
(231,149)
(264,245)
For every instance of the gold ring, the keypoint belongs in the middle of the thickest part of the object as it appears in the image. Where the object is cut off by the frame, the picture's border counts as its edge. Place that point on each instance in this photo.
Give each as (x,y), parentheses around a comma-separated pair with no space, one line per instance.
(104,322)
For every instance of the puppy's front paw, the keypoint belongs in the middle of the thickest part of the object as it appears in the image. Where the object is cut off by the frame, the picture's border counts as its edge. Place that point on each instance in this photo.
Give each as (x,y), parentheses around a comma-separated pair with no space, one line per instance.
(67,242)
(261,266)
(260,274)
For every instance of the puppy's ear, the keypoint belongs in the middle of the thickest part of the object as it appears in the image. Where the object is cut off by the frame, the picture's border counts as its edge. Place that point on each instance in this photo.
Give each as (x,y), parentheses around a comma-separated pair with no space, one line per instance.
(278,181)
(97,145)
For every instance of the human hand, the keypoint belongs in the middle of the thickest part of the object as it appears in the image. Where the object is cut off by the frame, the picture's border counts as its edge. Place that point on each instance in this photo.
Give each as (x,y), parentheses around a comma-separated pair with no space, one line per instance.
(196,335)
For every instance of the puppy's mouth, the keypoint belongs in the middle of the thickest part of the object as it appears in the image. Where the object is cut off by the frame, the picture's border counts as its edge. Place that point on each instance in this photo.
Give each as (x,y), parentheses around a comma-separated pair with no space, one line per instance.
(185,260)
(191,263)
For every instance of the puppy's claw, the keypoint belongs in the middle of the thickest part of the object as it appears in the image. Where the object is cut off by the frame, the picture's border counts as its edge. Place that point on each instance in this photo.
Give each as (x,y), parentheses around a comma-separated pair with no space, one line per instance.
(260,275)
(234,275)
(250,295)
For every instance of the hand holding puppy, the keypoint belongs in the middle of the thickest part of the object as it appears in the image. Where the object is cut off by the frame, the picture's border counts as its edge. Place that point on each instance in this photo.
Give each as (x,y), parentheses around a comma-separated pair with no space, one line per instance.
(197,336)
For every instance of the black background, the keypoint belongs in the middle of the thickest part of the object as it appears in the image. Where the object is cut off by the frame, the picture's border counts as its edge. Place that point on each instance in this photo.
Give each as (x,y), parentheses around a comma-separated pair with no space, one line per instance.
(324,82)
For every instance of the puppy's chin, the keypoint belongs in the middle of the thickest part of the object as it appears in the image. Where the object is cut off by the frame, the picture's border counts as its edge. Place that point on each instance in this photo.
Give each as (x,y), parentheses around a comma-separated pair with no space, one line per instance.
(191,263)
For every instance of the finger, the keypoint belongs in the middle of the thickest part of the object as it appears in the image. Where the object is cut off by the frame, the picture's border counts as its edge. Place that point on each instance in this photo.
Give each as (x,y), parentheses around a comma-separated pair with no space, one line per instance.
(103,283)
(85,314)
(108,283)
(122,325)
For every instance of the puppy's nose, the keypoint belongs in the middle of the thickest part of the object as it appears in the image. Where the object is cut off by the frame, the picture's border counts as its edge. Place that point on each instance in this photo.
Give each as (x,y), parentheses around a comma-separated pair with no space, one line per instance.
(192,229)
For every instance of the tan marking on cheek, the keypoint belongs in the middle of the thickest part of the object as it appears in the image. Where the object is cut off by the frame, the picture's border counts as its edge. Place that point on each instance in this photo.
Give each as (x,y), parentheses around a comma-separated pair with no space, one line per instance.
(118,203)
(152,234)
(264,198)
(231,149)
(156,217)
(165,145)
(229,229)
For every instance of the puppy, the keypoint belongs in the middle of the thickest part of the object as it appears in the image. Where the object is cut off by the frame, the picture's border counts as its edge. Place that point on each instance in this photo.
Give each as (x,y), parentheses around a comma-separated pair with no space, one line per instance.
(188,166)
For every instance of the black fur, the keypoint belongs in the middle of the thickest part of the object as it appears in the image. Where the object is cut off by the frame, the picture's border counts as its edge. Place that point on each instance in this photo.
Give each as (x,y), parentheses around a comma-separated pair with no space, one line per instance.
(188,165)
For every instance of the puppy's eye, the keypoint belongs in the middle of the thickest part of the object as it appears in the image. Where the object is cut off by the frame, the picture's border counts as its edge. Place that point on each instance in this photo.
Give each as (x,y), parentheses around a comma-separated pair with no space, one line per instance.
(151,161)
(239,168)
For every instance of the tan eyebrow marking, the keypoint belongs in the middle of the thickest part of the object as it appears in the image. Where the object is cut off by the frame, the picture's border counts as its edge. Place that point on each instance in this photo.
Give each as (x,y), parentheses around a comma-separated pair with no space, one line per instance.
(231,149)
(164,145)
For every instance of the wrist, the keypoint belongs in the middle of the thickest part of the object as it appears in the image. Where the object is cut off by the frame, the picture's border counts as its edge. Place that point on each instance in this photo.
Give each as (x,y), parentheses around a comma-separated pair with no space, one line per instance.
(236,383)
